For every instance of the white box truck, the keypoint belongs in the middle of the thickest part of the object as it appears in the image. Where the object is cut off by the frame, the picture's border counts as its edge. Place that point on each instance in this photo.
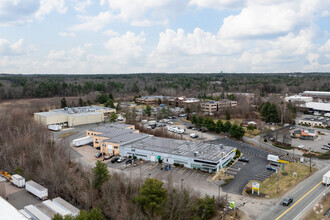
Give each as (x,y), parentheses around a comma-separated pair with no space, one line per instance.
(54,127)
(82,141)
(18,180)
(272,158)
(36,189)
(326,178)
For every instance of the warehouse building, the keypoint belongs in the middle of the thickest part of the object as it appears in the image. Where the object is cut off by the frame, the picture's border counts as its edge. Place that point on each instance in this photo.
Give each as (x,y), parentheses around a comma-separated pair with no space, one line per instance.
(317,95)
(315,121)
(207,157)
(74,116)
(110,137)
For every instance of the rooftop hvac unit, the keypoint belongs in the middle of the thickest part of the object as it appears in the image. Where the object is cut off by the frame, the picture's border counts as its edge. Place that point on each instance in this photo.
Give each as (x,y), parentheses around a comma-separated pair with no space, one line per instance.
(196,153)
(221,146)
(65,108)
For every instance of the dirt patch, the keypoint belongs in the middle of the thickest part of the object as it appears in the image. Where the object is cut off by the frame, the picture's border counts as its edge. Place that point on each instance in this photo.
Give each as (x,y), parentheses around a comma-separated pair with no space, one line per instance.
(67,134)
(320,209)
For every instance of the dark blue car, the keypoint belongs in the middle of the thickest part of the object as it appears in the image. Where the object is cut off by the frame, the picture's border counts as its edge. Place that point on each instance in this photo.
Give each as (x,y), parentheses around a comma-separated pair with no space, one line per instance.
(271,168)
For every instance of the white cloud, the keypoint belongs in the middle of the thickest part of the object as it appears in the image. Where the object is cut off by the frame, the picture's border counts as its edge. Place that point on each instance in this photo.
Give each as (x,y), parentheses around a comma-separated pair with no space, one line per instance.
(325,47)
(81,5)
(67,34)
(93,23)
(16,48)
(218,4)
(48,6)
(262,19)
(13,12)
(144,12)
(111,33)
(126,46)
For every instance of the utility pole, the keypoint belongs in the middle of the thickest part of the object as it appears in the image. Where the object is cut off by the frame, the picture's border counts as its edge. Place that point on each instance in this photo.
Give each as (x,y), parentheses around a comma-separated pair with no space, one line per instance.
(310,160)
(278,178)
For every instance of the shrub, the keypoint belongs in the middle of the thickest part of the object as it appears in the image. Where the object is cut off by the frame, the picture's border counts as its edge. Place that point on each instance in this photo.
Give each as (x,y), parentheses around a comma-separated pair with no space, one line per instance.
(181,165)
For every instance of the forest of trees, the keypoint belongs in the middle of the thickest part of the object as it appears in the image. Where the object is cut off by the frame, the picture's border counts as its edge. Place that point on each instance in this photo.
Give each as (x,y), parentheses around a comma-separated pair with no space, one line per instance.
(130,85)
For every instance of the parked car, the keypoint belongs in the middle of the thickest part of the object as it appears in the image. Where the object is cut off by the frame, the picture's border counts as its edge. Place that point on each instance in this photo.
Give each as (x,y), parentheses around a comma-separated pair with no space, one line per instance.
(193,135)
(194,128)
(243,159)
(189,127)
(271,168)
(301,146)
(98,155)
(108,157)
(287,201)
(114,160)
(325,147)
(120,159)
(201,130)
(129,161)
(274,164)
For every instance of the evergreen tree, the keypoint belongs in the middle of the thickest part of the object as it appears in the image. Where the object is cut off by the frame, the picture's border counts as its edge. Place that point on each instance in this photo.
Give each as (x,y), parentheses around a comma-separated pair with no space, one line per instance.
(81,102)
(226,126)
(63,103)
(102,99)
(110,104)
(100,173)
(219,126)
(113,117)
(151,196)
(228,115)
(147,110)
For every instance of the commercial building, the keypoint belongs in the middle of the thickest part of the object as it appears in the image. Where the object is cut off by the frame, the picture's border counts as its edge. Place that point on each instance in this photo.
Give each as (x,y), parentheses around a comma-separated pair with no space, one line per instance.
(152,100)
(319,107)
(7,211)
(207,157)
(310,134)
(124,140)
(212,107)
(298,99)
(110,137)
(317,95)
(314,121)
(183,102)
(74,116)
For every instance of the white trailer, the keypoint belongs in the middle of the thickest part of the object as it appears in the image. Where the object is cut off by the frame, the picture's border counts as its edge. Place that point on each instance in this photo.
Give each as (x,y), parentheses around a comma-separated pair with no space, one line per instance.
(82,141)
(37,190)
(18,180)
(54,127)
(56,208)
(67,206)
(35,213)
(326,178)
(272,158)
(152,123)
(26,215)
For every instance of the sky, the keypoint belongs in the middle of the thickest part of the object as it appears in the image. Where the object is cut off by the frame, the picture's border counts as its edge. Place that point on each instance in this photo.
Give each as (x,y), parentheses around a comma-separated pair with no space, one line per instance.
(172,36)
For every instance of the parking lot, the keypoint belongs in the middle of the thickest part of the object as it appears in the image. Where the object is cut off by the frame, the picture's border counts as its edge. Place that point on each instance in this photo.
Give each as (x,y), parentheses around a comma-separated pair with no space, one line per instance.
(175,174)
(243,172)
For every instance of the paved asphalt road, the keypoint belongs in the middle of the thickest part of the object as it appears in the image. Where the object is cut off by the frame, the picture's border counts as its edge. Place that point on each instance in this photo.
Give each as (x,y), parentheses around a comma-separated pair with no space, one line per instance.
(304,197)
(244,172)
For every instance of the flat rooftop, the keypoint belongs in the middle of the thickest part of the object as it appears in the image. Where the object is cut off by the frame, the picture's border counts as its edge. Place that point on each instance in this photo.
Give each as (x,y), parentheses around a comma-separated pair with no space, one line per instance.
(112,127)
(8,211)
(206,151)
(85,110)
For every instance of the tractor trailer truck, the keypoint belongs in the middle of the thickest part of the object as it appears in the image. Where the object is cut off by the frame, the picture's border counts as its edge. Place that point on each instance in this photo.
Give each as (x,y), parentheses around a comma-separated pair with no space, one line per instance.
(82,141)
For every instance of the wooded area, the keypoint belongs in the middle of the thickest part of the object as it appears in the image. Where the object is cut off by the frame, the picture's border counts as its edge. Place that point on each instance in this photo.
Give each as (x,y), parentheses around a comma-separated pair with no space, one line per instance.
(130,85)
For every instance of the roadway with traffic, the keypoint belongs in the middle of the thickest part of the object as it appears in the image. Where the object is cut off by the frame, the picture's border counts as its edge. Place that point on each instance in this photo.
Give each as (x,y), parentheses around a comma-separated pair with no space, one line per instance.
(305,196)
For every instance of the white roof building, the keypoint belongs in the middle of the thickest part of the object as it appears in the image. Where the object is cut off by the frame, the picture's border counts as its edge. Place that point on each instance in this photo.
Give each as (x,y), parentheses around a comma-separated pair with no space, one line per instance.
(7,211)
(298,98)
(318,106)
